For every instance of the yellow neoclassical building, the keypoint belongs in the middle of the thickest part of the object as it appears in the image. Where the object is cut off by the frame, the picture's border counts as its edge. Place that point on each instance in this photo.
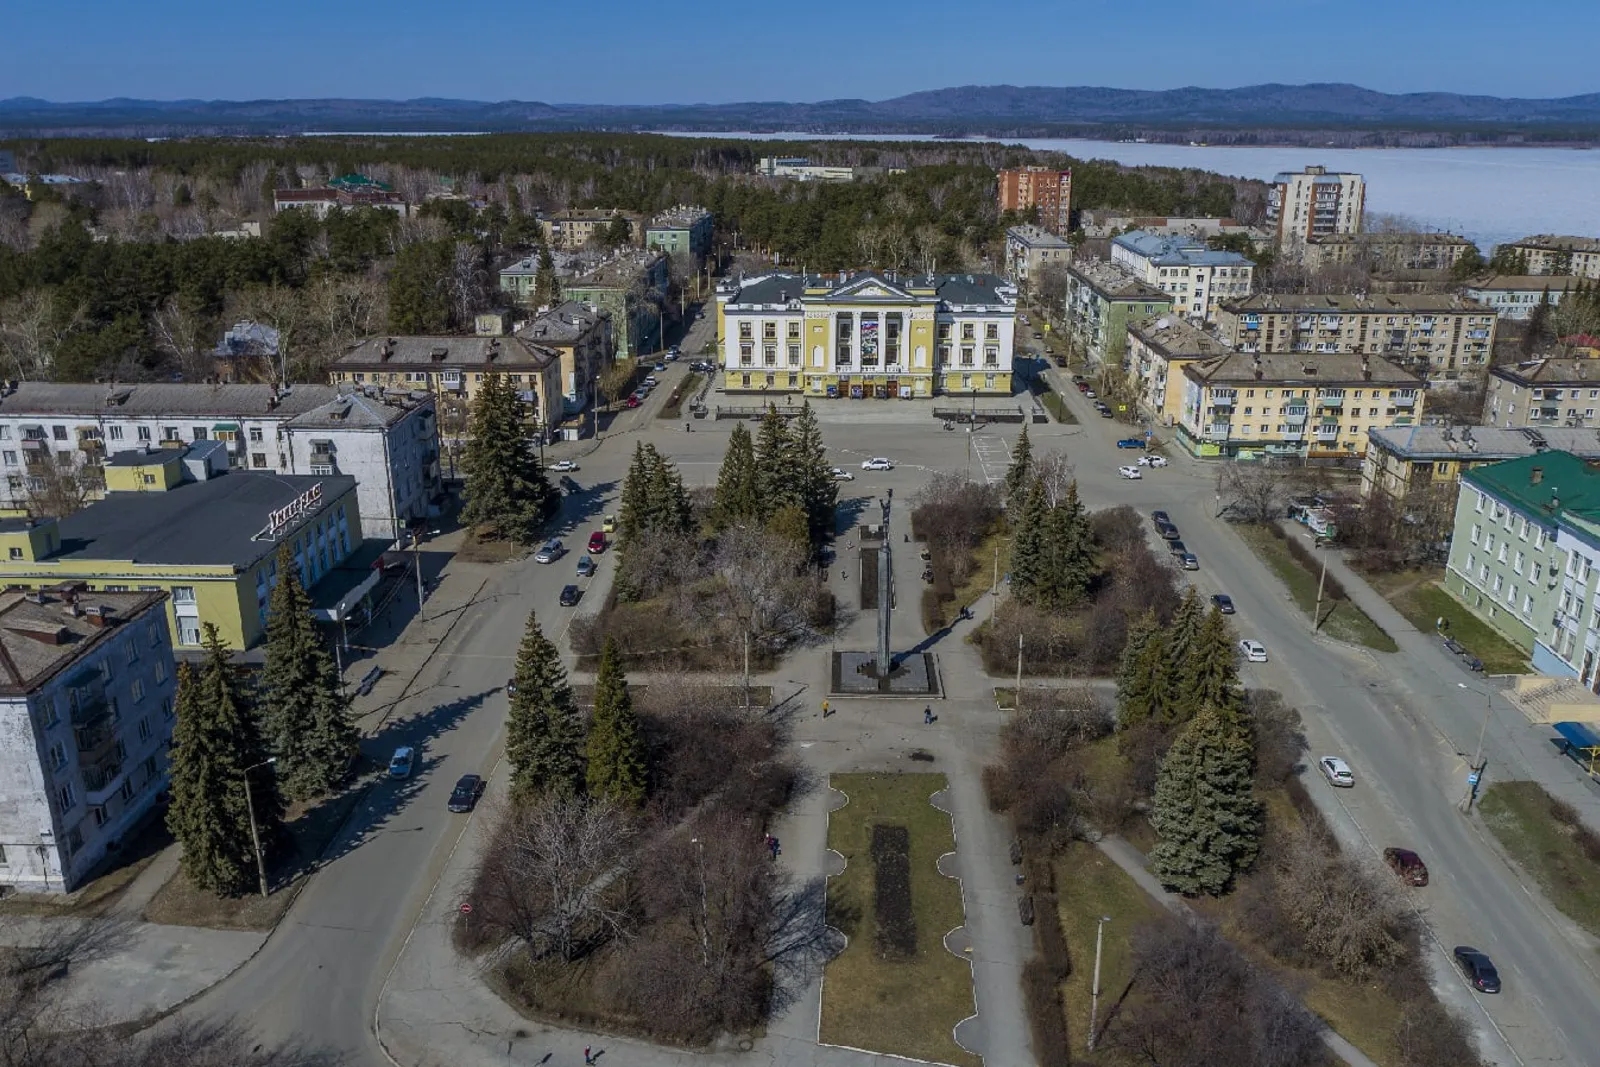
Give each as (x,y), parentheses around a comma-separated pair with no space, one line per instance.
(177,520)
(867,335)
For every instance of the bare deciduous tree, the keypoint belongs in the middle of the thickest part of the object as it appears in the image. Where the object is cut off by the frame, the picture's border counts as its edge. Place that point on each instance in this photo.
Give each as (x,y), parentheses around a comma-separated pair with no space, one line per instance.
(1256,492)
(32,327)
(763,590)
(1350,912)
(184,336)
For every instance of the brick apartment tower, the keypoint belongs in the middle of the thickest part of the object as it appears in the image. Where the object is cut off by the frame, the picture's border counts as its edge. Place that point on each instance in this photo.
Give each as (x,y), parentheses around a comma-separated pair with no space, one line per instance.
(1038,187)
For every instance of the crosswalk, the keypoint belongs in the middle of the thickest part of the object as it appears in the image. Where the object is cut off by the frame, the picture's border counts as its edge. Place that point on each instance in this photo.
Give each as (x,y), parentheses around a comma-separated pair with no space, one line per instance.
(993,456)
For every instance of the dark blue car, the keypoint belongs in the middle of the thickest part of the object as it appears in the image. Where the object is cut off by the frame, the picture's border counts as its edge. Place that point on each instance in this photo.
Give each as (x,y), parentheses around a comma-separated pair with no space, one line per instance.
(1131,442)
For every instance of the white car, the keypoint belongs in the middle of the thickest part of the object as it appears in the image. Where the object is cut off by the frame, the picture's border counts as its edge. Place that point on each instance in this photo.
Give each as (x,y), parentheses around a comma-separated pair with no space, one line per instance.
(650,380)
(1131,473)
(564,465)
(1090,393)
(550,552)
(1254,651)
(842,475)
(1337,772)
(877,463)
(1152,461)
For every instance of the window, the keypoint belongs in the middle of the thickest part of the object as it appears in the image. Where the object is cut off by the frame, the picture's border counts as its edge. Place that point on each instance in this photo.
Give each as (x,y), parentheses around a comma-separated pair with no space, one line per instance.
(197,433)
(47,708)
(144,729)
(1498,582)
(183,594)
(1502,556)
(58,756)
(1516,563)
(150,770)
(1470,562)
(143,433)
(1538,538)
(1476,531)
(1534,573)
(126,791)
(166,707)
(1522,531)
(137,688)
(1479,505)
(67,797)
(11,458)
(188,630)
(991,331)
(114,432)
(161,672)
(58,432)
(133,648)
(258,460)
(1527,605)
(16,553)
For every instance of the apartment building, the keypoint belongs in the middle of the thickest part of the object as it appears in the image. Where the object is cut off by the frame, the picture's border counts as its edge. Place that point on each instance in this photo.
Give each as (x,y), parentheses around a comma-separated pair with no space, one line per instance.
(86,714)
(1406,463)
(1254,405)
(1105,222)
(1041,189)
(681,231)
(1101,300)
(631,287)
(1158,350)
(1514,296)
(1443,337)
(1385,251)
(1543,393)
(867,335)
(1197,276)
(581,337)
(178,521)
(570,230)
(1030,248)
(801,169)
(387,439)
(1552,254)
(1314,203)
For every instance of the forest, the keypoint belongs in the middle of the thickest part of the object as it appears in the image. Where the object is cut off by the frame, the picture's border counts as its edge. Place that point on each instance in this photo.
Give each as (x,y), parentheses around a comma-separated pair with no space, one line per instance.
(128,275)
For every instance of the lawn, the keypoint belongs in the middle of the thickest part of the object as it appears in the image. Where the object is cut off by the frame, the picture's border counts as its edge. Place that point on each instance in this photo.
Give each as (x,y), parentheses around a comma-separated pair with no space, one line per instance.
(1519,815)
(1088,885)
(683,394)
(1340,618)
(905,1007)
(989,559)
(1417,596)
(1056,405)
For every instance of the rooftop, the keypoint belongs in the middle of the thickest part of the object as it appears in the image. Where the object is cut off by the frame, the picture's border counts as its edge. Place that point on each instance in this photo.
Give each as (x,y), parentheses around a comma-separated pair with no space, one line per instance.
(357,411)
(1319,175)
(1387,239)
(1171,335)
(960,289)
(154,399)
(248,339)
(1524,283)
(215,523)
(453,352)
(680,217)
(1550,371)
(1167,250)
(1549,484)
(1377,303)
(1558,243)
(1113,283)
(618,271)
(1035,237)
(41,634)
(562,324)
(1295,369)
(1484,442)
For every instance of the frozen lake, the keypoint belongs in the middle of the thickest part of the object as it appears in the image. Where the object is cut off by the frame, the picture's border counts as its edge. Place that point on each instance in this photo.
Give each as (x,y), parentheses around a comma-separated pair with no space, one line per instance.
(1491,195)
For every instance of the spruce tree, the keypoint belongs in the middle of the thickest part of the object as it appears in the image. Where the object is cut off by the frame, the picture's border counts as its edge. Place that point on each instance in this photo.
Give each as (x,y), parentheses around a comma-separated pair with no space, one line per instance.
(737,499)
(1069,553)
(789,522)
(817,493)
(546,286)
(1144,675)
(666,500)
(304,715)
(634,505)
(544,735)
(1206,817)
(776,481)
(1019,476)
(507,493)
(214,742)
(1209,674)
(1185,625)
(1030,545)
(616,753)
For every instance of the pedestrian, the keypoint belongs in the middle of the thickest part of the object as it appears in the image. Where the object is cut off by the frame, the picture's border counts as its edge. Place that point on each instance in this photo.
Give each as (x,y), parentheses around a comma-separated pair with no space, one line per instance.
(588,1056)
(773,846)
(824,709)
(927,715)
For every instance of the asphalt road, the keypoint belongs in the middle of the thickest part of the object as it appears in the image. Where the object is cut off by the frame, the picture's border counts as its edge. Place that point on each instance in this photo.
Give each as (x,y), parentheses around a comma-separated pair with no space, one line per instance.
(1399,721)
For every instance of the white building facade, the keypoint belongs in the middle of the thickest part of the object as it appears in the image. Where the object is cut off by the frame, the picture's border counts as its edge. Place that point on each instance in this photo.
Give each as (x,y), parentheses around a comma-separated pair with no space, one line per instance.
(1197,276)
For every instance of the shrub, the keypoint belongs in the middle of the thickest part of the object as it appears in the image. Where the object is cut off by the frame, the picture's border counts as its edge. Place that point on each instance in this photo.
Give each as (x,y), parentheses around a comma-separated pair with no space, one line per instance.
(1587,840)
(1047,1022)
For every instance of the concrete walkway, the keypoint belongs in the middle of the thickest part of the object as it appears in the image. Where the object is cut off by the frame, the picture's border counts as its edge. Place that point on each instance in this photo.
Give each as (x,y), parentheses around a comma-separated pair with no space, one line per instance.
(1131,860)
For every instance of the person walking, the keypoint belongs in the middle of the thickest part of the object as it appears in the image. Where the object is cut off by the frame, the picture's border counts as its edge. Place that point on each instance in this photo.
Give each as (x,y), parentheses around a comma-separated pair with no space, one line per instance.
(588,1055)
(927,715)
(824,709)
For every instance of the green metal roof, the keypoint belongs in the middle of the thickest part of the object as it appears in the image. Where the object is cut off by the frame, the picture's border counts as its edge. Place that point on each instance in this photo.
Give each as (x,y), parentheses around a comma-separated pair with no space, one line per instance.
(1564,484)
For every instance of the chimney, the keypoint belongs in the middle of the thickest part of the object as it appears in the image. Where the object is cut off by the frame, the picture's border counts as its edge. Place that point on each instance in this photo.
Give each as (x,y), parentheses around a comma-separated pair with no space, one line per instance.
(1536,476)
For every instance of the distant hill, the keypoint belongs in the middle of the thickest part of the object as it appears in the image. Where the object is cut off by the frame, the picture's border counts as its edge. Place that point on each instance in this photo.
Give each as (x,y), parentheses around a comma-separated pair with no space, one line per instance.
(993,109)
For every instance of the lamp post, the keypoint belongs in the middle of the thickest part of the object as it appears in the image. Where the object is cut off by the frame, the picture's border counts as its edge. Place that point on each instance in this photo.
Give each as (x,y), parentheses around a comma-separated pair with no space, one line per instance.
(1475,776)
(1316,612)
(255,832)
(1094,990)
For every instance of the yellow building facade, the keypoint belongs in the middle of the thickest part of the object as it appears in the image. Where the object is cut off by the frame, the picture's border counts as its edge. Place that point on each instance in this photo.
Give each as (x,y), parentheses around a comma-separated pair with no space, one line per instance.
(867,335)
(172,521)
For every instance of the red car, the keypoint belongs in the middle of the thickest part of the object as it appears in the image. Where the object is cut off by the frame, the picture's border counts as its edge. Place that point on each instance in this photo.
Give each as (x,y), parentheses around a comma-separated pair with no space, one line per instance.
(597,543)
(631,402)
(1407,865)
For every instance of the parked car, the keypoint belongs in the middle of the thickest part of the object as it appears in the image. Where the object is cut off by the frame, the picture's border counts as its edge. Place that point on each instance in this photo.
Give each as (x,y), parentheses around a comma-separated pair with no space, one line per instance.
(1337,772)
(464,797)
(1479,971)
(842,475)
(401,762)
(597,543)
(877,463)
(1176,547)
(1090,393)
(651,380)
(608,524)
(570,595)
(1253,651)
(658,367)
(1131,473)
(549,552)
(1131,442)
(1160,518)
(1189,561)
(1037,336)
(1407,865)
(564,465)
(586,567)
(631,402)
(1105,412)
(1224,603)
(1083,386)
(1152,461)
(1168,532)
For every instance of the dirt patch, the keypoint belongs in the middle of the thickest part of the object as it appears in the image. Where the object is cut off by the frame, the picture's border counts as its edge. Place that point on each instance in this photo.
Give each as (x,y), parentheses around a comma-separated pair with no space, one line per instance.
(891,898)
(477,550)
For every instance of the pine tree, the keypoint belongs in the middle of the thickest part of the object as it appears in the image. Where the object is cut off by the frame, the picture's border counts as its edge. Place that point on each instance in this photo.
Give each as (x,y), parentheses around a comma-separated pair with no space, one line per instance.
(817,491)
(544,735)
(546,285)
(1208,677)
(616,754)
(1019,476)
(1206,817)
(1185,625)
(634,505)
(776,483)
(1538,324)
(214,742)
(737,499)
(1069,553)
(1144,677)
(1029,546)
(304,715)
(507,493)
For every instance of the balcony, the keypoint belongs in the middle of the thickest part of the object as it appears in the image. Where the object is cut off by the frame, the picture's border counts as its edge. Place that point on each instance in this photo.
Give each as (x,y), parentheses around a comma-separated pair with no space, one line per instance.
(1404,401)
(1222,400)
(1296,415)
(95,740)
(1217,431)
(102,781)
(1327,431)
(1329,400)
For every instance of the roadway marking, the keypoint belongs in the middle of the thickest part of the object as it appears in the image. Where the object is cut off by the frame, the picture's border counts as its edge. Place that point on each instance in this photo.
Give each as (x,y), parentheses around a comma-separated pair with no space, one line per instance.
(993,455)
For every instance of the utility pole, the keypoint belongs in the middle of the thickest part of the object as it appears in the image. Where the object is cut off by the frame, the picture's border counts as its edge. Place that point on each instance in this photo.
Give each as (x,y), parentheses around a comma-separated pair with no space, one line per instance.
(416,555)
(1094,992)
(255,832)
(1316,612)
(1475,774)
(1018,698)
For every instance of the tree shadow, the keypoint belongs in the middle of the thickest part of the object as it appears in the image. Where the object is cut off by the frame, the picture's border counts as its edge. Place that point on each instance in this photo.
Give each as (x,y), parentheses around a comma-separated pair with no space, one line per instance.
(579,509)
(802,941)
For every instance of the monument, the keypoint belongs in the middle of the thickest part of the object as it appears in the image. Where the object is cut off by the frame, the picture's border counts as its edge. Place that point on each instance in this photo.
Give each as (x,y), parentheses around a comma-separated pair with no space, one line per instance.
(912,674)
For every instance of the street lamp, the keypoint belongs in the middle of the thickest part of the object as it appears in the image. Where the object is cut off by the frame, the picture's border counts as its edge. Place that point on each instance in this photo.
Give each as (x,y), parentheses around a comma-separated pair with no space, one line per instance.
(1473,778)
(1094,991)
(255,833)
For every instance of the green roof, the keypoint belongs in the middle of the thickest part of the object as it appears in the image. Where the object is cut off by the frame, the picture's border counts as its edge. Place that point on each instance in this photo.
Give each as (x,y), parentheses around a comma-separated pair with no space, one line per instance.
(359,181)
(1548,484)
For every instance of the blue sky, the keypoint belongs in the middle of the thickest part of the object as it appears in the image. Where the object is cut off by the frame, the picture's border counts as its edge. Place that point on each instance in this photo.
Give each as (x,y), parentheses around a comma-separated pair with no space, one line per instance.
(649,51)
